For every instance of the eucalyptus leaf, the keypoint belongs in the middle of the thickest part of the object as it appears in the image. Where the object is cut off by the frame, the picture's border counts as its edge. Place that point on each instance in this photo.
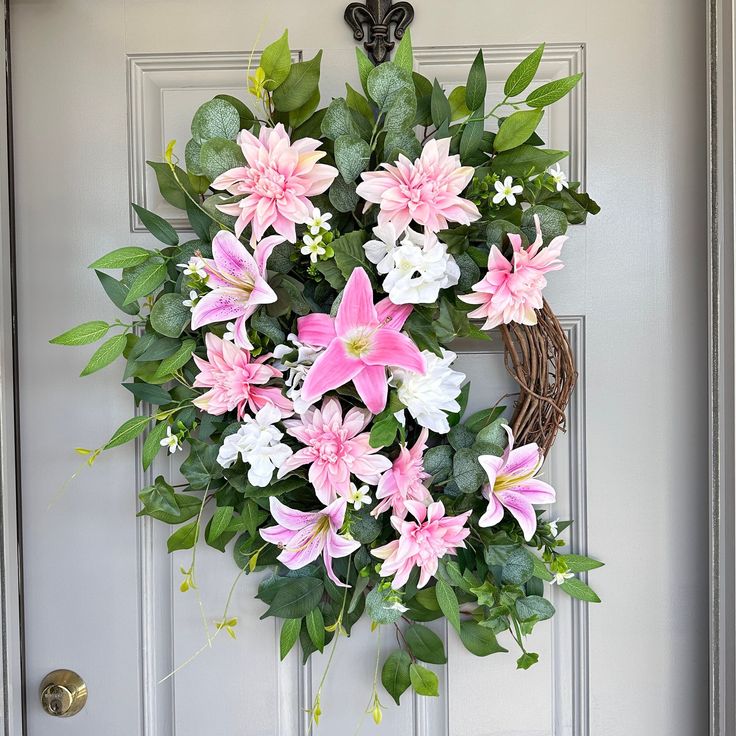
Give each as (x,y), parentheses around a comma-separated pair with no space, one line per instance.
(338,121)
(219,155)
(216,118)
(352,155)
(385,80)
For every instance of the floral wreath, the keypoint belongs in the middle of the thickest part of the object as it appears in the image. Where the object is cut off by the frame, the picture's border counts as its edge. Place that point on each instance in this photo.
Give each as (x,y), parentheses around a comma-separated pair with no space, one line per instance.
(300,349)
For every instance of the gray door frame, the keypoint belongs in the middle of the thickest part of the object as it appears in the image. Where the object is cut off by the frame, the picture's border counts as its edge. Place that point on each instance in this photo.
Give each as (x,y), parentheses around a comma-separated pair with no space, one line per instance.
(721,189)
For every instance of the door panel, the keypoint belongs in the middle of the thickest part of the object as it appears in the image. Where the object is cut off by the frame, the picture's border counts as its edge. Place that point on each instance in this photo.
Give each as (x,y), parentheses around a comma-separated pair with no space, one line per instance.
(101,87)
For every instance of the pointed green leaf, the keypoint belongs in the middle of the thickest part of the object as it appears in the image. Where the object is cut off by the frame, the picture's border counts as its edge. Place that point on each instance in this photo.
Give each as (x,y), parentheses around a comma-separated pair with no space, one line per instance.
(183,538)
(578,589)
(477,84)
(552,91)
(316,628)
(365,66)
(218,524)
(117,291)
(159,497)
(425,644)
(299,85)
(170,315)
(276,62)
(105,354)
(152,445)
(150,277)
(127,431)
(404,57)
(122,258)
(289,634)
(157,226)
(440,105)
(296,598)
(478,639)
(516,129)
(395,674)
(522,76)
(448,603)
(580,563)
(82,334)
(423,681)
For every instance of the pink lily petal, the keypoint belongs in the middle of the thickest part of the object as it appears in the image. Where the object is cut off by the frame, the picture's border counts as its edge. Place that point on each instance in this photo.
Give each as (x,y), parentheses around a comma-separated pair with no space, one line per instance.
(288,517)
(537,491)
(494,512)
(264,249)
(394,348)
(220,305)
(231,256)
(316,329)
(393,315)
(332,369)
(522,510)
(372,385)
(356,308)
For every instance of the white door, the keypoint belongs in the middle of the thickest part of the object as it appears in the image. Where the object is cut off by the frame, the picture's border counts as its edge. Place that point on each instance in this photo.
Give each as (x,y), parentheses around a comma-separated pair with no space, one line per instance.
(98,87)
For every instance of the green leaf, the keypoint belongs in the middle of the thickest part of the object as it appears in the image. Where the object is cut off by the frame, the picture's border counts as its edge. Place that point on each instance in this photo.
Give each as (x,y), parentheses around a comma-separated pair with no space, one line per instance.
(355,101)
(381,606)
(117,291)
(458,108)
(122,258)
(192,152)
(403,56)
(440,105)
(251,517)
(219,155)
(481,419)
(151,347)
(552,222)
(580,563)
(316,628)
(148,393)
(343,196)
(180,358)
(296,598)
(105,354)
(365,67)
(578,589)
(477,84)
(219,523)
(383,432)
(448,603)
(401,141)
(479,640)
(169,315)
(150,277)
(460,436)
(299,85)
(385,80)
(201,467)
(423,681)
(467,471)
(552,91)
(525,160)
(352,155)
(516,129)
(246,116)
(183,538)
(401,109)
(519,567)
(302,114)
(276,63)
(82,334)
(289,634)
(159,497)
(188,506)
(349,253)
(174,189)
(425,644)
(268,326)
(200,221)
(364,528)
(472,135)
(438,463)
(215,119)
(338,120)
(152,445)
(127,431)
(534,606)
(527,660)
(332,274)
(522,76)
(395,674)
(157,226)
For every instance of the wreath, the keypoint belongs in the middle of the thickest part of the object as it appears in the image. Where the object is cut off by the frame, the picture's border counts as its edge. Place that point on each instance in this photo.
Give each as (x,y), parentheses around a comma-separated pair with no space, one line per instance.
(298,352)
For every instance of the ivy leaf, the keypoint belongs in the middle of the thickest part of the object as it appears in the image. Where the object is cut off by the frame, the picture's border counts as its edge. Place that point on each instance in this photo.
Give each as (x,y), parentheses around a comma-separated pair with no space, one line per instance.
(122,258)
(82,334)
(201,467)
(157,226)
(527,660)
(521,77)
(423,681)
(448,603)
(289,634)
(395,674)
(159,497)
(105,354)
(425,644)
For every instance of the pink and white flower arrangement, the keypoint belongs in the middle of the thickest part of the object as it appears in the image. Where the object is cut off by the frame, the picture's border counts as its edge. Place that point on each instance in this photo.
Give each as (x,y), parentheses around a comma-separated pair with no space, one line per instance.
(314,391)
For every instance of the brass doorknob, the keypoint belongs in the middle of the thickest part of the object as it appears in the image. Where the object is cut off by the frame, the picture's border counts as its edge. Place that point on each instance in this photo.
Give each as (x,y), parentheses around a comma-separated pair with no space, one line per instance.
(63,693)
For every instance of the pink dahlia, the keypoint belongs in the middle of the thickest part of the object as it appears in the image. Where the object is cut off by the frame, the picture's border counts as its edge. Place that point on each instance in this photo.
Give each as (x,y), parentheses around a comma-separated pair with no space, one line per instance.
(425,191)
(277,180)
(404,481)
(512,290)
(335,448)
(512,485)
(235,381)
(422,543)
(360,342)
(305,535)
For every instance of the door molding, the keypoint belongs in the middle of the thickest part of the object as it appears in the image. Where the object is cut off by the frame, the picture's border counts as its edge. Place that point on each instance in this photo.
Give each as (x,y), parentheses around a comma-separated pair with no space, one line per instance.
(722,219)
(12,717)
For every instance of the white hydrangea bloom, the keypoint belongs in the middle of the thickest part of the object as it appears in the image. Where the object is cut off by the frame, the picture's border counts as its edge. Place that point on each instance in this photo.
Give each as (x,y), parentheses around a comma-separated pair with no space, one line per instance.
(297,368)
(428,397)
(259,444)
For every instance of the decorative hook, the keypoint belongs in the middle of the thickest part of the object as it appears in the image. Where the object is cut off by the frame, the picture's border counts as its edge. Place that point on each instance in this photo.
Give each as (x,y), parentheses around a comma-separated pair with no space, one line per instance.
(378,16)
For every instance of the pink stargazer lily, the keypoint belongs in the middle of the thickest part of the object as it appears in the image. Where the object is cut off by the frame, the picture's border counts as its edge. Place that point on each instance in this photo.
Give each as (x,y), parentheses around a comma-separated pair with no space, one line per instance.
(236,381)
(335,448)
(305,535)
(278,178)
(511,291)
(425,191)
(361,341)
(512,485)
(422,543)
(405,480)
(238,283)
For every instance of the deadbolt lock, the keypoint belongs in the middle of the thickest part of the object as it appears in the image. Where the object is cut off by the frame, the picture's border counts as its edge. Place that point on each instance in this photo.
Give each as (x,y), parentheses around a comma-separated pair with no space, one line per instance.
(63,693)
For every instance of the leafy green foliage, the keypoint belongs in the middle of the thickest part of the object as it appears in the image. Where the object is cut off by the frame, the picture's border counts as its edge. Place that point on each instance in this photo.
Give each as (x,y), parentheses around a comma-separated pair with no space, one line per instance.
(395,675)
(82,334)
(299,85)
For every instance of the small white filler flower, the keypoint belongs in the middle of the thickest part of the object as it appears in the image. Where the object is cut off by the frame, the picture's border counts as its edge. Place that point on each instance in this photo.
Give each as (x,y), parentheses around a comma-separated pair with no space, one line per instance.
(171,441)
(507,190)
